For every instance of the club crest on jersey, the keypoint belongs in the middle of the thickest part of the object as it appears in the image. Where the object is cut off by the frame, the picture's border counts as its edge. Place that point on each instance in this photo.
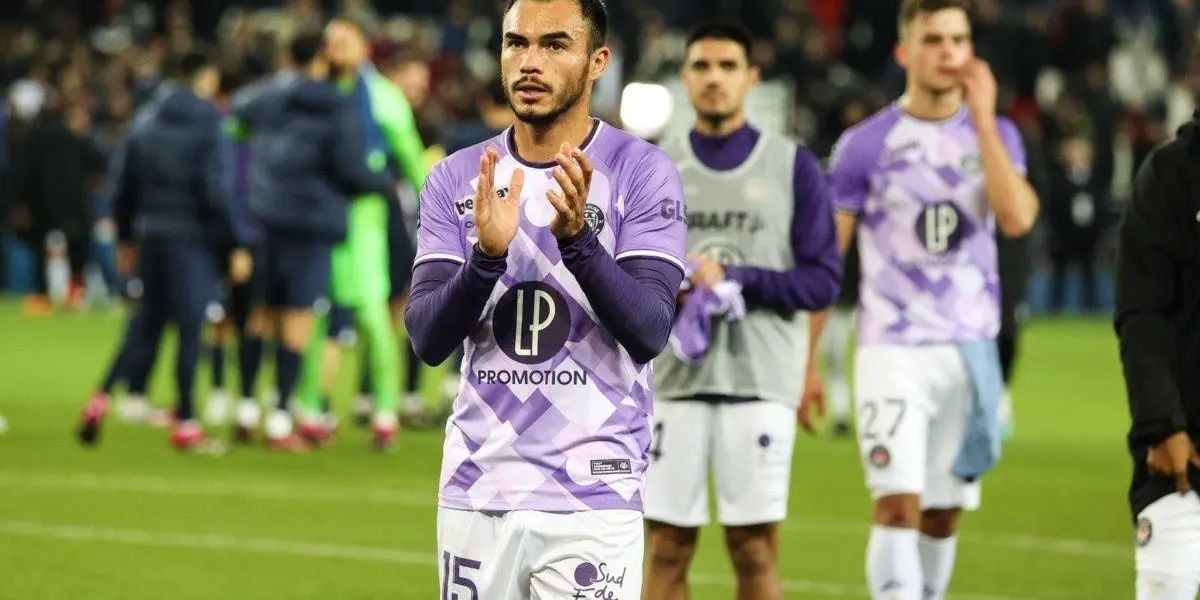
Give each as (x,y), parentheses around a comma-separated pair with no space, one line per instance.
(1145,531)
(597,581)
(971,163)
(880,457)
(594,217)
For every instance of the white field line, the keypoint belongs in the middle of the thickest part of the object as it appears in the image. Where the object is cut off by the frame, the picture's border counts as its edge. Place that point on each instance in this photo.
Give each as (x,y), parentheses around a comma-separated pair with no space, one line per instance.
(115,483)
(165,539)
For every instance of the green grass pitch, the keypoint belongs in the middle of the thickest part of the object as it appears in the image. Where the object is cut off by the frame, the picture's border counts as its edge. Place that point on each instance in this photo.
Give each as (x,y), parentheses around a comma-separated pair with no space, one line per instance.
(134,520)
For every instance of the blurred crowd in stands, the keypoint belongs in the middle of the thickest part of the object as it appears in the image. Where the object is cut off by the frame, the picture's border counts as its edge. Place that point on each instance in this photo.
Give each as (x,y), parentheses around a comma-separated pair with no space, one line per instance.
(1093,84)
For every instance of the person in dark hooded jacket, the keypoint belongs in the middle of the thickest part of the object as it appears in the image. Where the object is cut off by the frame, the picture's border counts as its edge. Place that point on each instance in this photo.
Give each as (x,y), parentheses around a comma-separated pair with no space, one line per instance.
(309,161)
(1158,324)
(172,181)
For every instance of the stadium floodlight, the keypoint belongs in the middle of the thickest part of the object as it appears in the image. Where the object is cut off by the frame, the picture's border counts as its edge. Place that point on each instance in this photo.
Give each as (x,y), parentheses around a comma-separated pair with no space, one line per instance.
(645,109)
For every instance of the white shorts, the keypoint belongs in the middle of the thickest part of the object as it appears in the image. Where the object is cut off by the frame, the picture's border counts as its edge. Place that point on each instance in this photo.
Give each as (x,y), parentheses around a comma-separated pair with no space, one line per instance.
(749,448)
(532,555)
(912,405)
(1168,546)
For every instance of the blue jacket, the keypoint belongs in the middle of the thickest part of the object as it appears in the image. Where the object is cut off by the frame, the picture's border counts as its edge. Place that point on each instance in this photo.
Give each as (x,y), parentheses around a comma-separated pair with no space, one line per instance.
(309,156)
(171,175)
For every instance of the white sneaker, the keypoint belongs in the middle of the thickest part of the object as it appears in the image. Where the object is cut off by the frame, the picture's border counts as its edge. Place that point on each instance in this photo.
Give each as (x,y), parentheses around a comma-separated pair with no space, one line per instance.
(218,409)
(411,405)
(279,425)
(133,409)
(249,413)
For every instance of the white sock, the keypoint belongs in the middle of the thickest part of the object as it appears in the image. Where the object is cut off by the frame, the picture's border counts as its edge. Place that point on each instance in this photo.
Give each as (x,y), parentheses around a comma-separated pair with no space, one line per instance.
(893,564)
(385,421)
(58,279)
(218,407)
(839,397)
(248,413)
(412,404)
(937,564)
(1155,586)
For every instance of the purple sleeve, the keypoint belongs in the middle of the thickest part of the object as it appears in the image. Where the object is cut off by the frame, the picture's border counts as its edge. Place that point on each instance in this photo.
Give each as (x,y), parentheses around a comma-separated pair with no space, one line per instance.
(1011,136)
(446,301)
(633,300)
(815,280)
(439,230)
(849,170)
(654,218)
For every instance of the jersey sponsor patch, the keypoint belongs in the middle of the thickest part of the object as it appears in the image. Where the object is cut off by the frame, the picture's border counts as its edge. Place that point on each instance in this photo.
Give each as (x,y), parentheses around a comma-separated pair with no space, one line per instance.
(1144,531)
(611,466)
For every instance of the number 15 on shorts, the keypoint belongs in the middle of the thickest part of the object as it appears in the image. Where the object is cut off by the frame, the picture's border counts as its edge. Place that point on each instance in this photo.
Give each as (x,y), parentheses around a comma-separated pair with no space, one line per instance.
(458,575)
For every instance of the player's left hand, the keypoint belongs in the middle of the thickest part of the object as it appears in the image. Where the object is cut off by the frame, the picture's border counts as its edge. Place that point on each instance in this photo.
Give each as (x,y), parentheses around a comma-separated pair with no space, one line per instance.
(241,265)
(127,255)
(708,271)
(980,90)
(813,401)
(574,176)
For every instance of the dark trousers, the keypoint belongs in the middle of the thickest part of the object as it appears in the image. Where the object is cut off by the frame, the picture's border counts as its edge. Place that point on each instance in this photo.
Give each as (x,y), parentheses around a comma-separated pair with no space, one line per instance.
(179,282)
(1081,253)
(79,250)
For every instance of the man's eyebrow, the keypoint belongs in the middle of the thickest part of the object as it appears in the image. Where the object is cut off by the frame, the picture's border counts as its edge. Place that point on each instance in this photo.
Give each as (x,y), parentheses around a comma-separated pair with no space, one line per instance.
(546,37)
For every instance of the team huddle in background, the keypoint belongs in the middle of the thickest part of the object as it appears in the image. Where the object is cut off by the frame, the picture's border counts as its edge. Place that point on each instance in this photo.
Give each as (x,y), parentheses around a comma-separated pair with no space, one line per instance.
(631,318)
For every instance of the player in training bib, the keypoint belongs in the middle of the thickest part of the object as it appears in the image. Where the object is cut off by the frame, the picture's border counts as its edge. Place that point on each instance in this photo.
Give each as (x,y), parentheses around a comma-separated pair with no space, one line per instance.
(926,181)
(554,251)
(759,221)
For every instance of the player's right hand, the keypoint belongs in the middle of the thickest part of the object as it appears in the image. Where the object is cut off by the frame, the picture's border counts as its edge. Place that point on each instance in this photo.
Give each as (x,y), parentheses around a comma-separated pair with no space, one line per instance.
(496,218)
(813,401)
(1172,458)
(126,259)
(241,265)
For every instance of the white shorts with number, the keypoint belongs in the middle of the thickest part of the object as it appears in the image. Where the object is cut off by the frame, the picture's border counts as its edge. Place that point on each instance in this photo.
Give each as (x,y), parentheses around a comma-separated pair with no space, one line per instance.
(748,447)
(912,405)
(531,555)
(1168,548)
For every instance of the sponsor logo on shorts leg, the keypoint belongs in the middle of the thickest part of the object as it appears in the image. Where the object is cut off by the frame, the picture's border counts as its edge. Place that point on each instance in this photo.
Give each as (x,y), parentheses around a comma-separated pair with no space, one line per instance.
(1145,531)
(598,581)
(879,457)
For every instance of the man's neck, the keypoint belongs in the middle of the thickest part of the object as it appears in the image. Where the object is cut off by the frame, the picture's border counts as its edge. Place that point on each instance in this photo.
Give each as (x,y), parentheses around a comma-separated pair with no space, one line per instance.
(927,106)
(540,143)
(720,127)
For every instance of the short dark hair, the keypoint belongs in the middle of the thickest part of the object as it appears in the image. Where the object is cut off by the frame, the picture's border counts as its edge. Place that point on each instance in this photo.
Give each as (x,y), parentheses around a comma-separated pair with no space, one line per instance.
(188,65)
(723,29)
(596,15)
(306,46)
(233,78)
(911,9)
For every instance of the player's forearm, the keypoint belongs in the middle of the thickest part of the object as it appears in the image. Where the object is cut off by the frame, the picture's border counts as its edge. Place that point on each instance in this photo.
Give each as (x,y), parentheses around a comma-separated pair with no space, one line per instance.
(805,287)
(1148,358)
(816,324)
(1010,196)
(633,300)
(446,302)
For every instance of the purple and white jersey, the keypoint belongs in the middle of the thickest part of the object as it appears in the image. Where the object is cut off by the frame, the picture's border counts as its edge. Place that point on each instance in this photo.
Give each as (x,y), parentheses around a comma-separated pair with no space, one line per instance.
(553,414)
(926,233)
